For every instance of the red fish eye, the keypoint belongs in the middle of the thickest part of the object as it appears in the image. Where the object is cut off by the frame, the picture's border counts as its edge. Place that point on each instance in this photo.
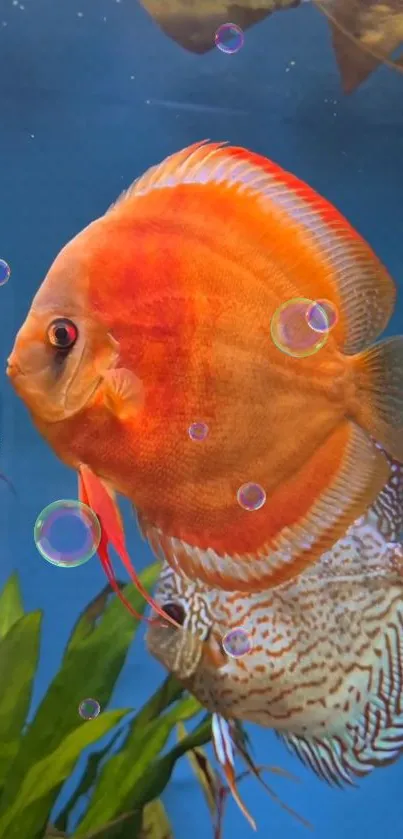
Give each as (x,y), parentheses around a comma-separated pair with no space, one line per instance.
(175,611)
(62,334)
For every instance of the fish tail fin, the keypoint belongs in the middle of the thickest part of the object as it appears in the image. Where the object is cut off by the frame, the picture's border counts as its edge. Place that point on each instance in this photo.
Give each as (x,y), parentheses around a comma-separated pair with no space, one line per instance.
(94,493)
(378,398)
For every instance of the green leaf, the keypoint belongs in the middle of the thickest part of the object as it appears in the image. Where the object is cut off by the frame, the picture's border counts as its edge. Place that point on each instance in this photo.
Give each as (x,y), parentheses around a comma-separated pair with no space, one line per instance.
(126,826)
(85,784)
(125,772)
(159,774)
(11,608)
(28,815)
(155,823)
(204,771)
(151,823)
(169,692)
(87,621)
(90,668)
(19,653)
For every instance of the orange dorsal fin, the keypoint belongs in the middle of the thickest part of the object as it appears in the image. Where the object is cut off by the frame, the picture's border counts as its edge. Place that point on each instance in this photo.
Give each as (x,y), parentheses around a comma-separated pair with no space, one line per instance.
(356,280)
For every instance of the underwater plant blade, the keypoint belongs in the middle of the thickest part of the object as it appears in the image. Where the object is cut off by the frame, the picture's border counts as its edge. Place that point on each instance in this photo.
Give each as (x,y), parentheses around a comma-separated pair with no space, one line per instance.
(87,620)
(204,771)
(90,668)
(153,783)
(155,822)
(29,813)
(11,608)
(170,691)
(126,826)
(19,655)
(85,784)
(126,773)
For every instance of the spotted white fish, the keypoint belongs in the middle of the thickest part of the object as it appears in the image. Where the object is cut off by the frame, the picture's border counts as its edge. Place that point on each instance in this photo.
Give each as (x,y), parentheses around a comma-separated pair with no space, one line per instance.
(325,668)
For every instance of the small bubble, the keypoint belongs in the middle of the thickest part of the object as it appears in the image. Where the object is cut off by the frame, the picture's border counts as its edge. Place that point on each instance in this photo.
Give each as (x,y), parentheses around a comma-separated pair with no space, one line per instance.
(237,643)
(229,38)
(5,271)
(291,332)
(89,709)
(322,316)
(198,431)
(67,533)
(251,496)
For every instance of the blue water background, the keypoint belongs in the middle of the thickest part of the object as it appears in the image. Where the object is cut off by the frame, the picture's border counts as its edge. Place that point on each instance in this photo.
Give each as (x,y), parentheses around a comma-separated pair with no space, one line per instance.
(92,93)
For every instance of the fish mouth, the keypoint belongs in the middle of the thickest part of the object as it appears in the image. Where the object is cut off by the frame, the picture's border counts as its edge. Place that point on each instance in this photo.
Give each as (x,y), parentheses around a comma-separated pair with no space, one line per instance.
(13,370)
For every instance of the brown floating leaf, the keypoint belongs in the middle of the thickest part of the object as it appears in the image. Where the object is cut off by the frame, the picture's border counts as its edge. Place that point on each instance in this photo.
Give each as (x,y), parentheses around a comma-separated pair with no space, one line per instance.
(193,23)
(365,34)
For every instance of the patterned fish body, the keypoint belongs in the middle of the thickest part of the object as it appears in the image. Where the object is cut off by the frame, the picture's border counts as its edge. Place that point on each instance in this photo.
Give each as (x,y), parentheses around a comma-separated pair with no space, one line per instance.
(325,669)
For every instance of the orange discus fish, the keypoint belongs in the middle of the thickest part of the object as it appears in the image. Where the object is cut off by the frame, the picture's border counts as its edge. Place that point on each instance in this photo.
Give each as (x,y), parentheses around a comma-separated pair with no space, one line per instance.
(157,320)
(324,663)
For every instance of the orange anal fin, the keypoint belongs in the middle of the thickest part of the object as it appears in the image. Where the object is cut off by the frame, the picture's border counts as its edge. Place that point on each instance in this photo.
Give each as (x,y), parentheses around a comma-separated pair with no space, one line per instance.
(223,747)
(94,493)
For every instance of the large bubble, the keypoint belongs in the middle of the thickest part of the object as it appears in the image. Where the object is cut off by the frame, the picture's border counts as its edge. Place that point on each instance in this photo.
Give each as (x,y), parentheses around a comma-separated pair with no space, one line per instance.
(292,327)
(67,533)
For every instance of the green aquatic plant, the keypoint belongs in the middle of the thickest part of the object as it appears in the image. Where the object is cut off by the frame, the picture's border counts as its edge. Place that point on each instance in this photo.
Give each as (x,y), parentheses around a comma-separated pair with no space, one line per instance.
(122,781)
(118,791)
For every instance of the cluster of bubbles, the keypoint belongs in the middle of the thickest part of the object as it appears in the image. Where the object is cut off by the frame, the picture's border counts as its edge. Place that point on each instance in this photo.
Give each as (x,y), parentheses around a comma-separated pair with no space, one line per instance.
(300,327)
(67,533)
(236,642)
(89,709)
(229,38)
(5,271)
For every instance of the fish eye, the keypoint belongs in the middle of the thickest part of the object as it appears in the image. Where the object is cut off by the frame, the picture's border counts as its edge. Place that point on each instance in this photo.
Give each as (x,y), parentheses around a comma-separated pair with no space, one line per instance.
(62,334)
(175,611)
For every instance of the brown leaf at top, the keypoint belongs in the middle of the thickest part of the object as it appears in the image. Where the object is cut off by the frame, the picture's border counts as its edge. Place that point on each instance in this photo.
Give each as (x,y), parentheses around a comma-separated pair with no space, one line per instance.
(193,23)
(365,34)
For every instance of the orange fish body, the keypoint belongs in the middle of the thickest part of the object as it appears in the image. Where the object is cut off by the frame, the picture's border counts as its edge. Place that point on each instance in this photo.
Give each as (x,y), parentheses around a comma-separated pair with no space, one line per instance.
(325,664)
(168,301)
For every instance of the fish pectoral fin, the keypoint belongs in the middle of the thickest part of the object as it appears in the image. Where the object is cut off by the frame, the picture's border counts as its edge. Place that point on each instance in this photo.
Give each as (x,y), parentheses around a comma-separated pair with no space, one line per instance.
(378,405)
(224,750)
(123,392)
(100,497)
